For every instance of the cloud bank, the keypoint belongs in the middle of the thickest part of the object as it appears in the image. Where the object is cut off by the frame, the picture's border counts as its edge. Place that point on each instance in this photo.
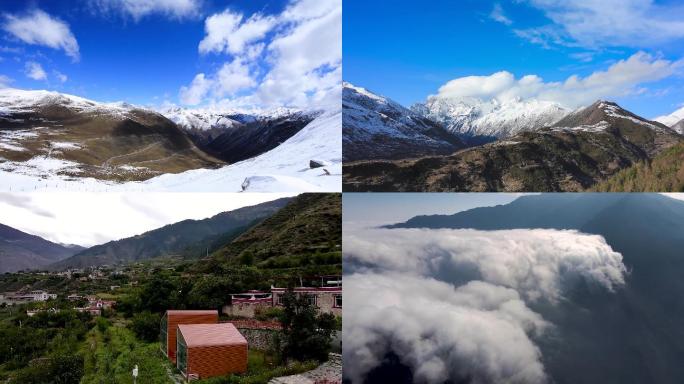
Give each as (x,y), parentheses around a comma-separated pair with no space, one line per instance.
(453,304)
(293,58)
(478,330)
(39,28)
(620,79)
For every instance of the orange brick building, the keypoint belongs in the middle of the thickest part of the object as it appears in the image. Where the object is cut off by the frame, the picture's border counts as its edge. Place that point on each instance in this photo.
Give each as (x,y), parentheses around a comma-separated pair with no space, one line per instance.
(208,350)
(171,320)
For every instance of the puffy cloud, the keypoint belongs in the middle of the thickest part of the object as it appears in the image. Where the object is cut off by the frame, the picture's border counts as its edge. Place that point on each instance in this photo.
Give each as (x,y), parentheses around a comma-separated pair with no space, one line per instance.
(229,32)
(35,71)
(621,78)
(39,28)
(293,59)
(306,58)
(193,94)
(607,23)
(534,262)
(453,304)
(233,77)
(478,331)
(498,15)
(138,9)
(230,79)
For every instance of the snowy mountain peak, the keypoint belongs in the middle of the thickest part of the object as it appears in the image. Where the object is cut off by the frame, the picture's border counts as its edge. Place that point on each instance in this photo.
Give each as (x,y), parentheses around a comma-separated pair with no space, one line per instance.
(473,117)
(673,120)
(375,127)
(212,118)
(610,112)
(18,100)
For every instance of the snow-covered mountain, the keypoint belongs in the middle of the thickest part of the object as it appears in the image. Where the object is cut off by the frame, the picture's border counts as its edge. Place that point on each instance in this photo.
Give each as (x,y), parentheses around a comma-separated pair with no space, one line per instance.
(19,101)
(285,168)
(493,119)
(233,135)
(212,118)
(375,127)
(675,120)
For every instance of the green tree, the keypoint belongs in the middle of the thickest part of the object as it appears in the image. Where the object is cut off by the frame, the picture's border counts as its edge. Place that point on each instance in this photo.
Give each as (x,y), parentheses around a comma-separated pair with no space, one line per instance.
(145,325)
(306,334)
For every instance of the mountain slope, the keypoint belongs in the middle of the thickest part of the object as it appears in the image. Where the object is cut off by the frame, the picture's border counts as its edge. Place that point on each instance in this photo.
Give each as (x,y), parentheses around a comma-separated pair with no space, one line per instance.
(45,133)
(585,147)
(627,336)
(664,173)
(375,127)
(20,250)
(476,120)
(311,223)
(179,239)
(235,136)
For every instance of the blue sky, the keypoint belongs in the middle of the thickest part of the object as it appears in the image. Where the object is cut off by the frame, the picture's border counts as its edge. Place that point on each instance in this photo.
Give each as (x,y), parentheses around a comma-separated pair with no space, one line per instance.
(408,50)
(362,209)
(146,51)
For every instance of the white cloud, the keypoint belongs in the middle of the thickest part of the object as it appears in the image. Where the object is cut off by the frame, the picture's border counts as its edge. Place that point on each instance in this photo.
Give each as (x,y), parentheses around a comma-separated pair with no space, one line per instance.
(453,304)
(39,28)
(498,15)
(229,32)
(35,71)
(607,23)
(195,93)
(620,79)
(292,59)
(76,218)
(137,9)
(537,263)
(60,76)
(478,330)
(233,77)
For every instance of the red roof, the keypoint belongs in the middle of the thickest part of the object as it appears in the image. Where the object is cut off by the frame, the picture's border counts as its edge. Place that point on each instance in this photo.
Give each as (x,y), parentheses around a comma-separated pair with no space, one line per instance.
(192,312)
(207,335)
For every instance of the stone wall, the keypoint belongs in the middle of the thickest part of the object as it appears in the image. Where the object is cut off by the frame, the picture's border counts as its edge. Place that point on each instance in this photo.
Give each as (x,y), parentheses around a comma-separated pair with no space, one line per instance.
(261,339)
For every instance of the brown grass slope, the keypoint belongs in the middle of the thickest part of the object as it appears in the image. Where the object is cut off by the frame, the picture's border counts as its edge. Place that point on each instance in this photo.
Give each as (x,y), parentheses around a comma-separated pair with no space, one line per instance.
(107,141)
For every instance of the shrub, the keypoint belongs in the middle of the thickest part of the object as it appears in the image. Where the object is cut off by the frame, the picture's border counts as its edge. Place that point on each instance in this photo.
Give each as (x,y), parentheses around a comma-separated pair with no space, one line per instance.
(145,325)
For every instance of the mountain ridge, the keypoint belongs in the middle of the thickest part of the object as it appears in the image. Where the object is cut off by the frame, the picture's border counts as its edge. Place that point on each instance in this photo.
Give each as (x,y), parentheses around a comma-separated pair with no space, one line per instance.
(20,250)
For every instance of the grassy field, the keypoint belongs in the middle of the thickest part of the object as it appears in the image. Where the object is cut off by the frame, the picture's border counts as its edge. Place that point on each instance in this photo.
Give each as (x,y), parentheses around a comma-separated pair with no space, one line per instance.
(111,355)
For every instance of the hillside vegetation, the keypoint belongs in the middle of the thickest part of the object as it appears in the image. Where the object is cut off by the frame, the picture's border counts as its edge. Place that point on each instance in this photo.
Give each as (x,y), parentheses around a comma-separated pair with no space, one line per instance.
(310,225)
(664,173)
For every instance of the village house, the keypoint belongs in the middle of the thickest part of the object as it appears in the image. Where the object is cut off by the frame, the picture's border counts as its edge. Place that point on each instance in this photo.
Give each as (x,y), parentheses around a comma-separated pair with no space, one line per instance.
(27,297)
(33,312)
(327,298)
(95,305)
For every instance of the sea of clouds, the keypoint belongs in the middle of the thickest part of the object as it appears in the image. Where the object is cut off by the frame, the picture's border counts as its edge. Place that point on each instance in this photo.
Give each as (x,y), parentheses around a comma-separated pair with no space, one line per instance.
(455,304)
